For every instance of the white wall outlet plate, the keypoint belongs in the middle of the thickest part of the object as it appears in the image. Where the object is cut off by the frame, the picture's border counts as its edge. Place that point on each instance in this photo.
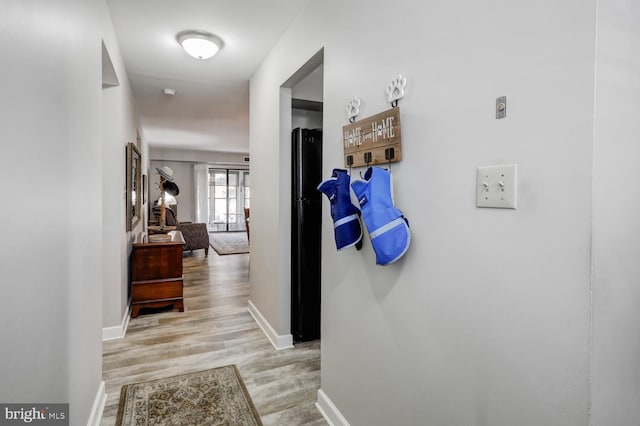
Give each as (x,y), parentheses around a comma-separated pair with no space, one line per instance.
(496,186)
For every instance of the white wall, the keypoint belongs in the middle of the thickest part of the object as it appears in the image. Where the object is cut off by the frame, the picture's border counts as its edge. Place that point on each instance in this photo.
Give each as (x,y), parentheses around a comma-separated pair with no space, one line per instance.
(486,320)
(306,119)
(310,87)
(120,126)
(51,260)
(616,294)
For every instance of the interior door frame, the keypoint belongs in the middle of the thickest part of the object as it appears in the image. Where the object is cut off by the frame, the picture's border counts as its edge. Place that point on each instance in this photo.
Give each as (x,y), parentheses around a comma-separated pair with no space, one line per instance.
(286,297)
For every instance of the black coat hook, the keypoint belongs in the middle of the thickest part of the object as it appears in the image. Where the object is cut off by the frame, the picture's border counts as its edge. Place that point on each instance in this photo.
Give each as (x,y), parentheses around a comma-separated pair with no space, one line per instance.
(349,162)
(389,154)
(367,159)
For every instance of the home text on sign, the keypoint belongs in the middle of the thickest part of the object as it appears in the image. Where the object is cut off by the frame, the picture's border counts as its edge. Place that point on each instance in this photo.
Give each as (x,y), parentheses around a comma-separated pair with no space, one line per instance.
(367,139)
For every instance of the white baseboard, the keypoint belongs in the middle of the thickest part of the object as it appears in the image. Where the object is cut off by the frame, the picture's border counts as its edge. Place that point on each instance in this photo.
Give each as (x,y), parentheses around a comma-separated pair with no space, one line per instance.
(95,417)
(329,411)
(117,331)
(278,341)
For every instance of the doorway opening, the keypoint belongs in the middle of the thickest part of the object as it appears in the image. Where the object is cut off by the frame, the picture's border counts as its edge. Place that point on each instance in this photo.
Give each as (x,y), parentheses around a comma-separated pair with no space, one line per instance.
(229,195)
(303,95)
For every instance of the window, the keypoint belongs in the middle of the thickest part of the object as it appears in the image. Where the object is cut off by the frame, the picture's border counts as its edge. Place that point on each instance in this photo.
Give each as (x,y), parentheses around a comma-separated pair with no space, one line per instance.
(228,195)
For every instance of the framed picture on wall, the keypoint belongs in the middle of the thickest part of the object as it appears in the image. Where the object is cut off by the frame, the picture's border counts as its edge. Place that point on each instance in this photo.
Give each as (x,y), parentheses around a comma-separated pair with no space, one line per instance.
(134,186)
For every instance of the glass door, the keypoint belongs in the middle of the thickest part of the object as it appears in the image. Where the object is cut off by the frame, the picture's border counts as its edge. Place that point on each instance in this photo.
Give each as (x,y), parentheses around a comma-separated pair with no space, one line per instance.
(228,196)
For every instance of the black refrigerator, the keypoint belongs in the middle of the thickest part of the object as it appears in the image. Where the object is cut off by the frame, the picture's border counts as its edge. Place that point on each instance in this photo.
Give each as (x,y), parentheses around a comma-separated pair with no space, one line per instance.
(306,221)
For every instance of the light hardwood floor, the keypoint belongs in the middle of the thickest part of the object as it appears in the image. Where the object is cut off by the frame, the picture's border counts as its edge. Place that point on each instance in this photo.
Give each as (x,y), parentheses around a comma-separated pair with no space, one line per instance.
(215,330)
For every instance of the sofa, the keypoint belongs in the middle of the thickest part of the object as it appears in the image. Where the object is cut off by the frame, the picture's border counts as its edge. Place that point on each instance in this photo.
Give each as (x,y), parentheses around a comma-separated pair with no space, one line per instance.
(196,235)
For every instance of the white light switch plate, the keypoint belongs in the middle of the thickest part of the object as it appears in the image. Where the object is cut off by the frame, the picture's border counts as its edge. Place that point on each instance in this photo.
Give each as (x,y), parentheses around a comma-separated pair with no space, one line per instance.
(496,186)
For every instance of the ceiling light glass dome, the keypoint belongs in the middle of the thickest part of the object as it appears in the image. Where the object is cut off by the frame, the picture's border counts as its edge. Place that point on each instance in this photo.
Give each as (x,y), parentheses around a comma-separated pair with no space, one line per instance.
(199,44)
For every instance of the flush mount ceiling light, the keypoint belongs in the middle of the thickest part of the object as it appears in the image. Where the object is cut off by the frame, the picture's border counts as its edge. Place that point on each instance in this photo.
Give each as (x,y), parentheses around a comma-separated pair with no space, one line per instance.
(199,44)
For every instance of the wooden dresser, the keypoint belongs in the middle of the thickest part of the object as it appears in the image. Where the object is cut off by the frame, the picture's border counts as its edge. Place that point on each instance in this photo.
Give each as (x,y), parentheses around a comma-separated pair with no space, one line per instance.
(156,274)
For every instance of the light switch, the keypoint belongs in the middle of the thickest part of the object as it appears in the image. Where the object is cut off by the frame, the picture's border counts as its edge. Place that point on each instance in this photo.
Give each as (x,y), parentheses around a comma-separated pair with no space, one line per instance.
(496,186)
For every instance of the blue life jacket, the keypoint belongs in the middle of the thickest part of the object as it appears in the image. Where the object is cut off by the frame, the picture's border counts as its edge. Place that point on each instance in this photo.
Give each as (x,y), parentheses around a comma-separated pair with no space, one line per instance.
(346,216)
(387,227)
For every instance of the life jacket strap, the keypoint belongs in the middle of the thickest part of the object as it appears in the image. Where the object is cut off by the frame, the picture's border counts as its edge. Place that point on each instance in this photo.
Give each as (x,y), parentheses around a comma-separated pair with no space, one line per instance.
(345,220)
(387,227)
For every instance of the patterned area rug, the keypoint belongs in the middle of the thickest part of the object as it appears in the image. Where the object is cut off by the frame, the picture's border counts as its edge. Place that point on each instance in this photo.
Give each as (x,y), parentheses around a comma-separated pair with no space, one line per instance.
(229,242)
(210,397)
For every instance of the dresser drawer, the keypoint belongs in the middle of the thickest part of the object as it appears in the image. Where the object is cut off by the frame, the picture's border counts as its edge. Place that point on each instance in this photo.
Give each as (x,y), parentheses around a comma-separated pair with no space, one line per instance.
(157,290)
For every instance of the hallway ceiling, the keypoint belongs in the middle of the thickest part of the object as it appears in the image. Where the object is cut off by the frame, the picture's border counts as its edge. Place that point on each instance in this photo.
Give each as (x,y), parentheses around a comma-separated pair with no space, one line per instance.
(210,110)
